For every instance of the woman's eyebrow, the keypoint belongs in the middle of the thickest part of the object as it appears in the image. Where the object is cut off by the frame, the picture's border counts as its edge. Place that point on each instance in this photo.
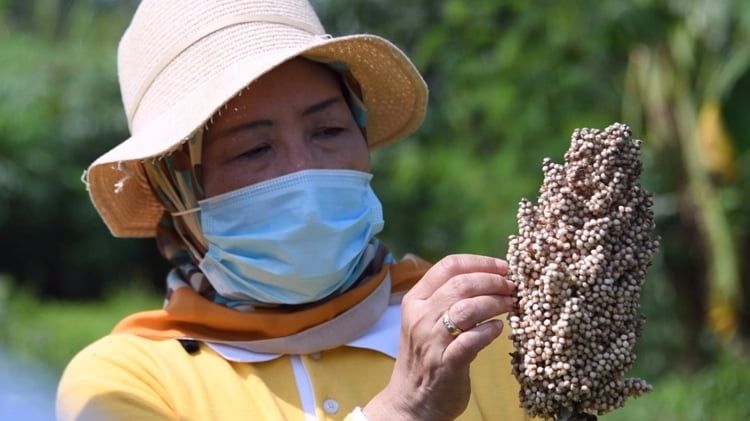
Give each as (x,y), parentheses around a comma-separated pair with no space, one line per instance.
(249,125)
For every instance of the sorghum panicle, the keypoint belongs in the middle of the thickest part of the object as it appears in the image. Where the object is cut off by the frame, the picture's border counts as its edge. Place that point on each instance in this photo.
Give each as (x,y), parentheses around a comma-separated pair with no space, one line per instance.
(579,261)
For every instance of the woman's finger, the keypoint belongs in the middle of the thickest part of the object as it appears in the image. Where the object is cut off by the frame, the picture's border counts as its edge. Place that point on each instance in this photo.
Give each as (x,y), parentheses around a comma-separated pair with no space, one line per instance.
(464,348)
(467,285)
(469,312)
(454,265)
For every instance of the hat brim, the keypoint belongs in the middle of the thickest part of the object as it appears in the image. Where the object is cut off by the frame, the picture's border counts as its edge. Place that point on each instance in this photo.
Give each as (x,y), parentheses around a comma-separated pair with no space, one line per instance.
(393,92)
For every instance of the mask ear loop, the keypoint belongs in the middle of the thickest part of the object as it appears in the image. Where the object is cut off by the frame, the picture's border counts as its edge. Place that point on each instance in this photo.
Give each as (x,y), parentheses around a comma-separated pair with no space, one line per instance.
(185,212)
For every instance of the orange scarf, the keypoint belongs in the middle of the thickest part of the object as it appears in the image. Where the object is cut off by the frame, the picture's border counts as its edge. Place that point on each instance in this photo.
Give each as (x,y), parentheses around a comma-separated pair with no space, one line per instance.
(189,315)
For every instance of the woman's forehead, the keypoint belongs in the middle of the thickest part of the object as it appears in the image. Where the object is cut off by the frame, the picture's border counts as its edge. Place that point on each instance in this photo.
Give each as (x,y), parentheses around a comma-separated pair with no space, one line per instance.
(295,84)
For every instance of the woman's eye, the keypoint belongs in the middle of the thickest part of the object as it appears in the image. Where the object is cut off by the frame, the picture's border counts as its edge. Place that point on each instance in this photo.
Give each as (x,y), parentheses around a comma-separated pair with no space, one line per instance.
(255,152)
(328,132)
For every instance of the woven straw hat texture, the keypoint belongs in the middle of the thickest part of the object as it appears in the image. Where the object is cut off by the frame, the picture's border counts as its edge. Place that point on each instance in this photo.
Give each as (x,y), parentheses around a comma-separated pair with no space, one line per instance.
(179,61)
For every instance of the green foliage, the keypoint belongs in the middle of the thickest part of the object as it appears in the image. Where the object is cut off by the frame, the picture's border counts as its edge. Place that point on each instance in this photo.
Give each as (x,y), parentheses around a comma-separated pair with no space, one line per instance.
(60,109)
(717,392)
(53,331)
(509,82)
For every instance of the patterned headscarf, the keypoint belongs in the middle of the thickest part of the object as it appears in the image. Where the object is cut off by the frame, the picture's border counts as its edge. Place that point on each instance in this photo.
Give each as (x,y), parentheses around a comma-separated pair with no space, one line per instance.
(175,179)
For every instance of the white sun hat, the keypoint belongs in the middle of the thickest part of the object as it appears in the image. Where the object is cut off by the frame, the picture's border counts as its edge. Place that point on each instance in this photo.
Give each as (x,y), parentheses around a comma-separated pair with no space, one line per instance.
(179,61)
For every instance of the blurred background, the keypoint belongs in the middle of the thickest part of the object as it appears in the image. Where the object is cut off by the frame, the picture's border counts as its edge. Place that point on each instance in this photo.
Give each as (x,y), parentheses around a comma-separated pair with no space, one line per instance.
(509,79)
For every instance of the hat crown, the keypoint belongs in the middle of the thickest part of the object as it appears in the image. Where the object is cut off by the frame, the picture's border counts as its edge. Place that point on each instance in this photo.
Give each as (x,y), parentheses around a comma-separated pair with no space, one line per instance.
(163,30)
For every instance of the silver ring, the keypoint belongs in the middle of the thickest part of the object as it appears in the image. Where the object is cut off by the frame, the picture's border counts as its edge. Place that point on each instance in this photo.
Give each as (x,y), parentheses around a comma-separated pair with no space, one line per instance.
(450,326)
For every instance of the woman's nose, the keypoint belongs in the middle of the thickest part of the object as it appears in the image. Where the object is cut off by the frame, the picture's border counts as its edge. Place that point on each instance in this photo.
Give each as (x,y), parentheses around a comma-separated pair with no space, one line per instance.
(299,155)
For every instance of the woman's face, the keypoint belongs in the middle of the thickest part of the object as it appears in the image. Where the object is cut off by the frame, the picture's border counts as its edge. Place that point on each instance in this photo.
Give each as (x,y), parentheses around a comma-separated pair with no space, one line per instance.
(293,118)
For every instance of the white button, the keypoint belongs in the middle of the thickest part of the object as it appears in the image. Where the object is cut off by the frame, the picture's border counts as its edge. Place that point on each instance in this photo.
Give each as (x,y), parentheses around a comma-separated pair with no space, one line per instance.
(331,406)
(315,355)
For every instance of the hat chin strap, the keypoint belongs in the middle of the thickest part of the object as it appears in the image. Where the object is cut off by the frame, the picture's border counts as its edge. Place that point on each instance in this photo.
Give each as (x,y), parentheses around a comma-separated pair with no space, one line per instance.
(203,32)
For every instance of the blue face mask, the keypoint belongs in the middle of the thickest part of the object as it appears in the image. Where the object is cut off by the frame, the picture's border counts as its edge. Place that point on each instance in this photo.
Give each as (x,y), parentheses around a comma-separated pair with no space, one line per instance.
(290,240)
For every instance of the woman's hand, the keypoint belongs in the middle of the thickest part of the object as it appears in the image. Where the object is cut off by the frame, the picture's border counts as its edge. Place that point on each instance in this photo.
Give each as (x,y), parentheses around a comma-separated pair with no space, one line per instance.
(430,380)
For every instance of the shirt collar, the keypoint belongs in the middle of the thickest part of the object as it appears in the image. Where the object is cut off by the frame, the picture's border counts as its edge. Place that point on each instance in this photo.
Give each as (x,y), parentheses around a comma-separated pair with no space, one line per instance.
(382,337)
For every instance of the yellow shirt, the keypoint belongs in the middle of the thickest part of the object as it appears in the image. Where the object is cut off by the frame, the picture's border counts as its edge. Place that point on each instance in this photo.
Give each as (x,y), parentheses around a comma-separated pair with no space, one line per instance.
(127,377)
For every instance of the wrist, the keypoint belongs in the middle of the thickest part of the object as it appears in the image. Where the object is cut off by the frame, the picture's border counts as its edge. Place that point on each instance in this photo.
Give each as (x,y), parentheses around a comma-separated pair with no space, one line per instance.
(388,406)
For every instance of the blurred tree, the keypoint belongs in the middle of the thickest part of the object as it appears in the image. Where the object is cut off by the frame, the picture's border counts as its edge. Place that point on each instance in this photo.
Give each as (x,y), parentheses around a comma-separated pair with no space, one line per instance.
(59,109)
(735,196)
(676,88)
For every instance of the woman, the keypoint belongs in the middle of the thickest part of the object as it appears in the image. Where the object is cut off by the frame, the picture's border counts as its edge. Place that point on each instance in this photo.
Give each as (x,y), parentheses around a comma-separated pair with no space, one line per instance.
(249,163)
